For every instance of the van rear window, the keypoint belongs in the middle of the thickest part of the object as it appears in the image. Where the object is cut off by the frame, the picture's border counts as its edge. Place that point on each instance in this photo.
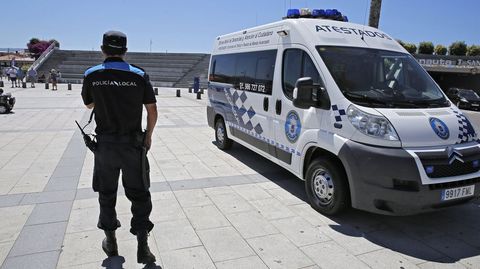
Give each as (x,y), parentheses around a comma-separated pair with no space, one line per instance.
(249,71)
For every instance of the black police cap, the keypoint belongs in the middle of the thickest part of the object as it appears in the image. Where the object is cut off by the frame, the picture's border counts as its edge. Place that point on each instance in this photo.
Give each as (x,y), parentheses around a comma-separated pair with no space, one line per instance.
(115,39)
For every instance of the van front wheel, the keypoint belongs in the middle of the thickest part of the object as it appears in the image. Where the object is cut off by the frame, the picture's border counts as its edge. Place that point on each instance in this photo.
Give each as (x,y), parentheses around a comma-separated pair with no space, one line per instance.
(326,187)
(221,137)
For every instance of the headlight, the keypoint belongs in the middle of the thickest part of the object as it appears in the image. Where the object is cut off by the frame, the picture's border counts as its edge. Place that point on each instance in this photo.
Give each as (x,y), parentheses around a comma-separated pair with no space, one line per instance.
(376,126)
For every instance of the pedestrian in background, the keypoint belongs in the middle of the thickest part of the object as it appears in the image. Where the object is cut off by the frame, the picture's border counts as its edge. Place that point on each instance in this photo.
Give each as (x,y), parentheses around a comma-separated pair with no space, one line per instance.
(118,91)
(53,79)
(20,76)
(12,72)
(32,77)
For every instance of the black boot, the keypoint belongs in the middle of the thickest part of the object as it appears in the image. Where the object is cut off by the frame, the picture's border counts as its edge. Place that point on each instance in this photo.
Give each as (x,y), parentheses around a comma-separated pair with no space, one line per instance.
(143,252)
(109,244)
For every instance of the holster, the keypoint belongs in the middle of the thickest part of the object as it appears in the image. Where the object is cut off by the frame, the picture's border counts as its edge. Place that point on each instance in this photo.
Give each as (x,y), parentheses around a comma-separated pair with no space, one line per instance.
(144,161)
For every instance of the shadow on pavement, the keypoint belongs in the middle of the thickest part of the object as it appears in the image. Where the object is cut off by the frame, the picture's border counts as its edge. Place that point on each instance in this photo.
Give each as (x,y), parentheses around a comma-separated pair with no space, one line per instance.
(445,236)
(118,261)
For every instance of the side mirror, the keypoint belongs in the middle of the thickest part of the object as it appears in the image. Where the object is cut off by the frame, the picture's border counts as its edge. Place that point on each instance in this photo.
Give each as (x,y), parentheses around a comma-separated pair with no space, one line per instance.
(307,94)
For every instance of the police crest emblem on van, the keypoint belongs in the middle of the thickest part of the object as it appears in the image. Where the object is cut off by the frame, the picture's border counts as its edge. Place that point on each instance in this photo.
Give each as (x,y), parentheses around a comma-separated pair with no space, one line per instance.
(293,126)
(440,128)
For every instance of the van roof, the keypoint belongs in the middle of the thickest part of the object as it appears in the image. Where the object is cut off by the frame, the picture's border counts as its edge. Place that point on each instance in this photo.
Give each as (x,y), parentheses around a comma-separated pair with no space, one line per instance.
(308,32)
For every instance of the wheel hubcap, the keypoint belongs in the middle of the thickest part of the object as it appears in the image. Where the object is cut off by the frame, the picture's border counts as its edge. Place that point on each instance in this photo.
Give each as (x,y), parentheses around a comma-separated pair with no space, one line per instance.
(323,186)
(220,133)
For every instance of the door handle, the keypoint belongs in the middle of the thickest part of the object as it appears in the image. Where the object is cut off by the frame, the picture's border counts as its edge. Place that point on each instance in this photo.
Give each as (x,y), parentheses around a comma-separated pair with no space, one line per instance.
(265,104)
(278,107)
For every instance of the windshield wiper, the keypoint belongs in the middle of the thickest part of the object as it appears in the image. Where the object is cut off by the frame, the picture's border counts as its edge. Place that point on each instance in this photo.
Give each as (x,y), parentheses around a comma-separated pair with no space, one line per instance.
(365,98)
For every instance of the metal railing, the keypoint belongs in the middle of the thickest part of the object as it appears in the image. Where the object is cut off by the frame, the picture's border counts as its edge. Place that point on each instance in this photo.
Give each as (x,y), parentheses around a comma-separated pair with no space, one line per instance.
(43,57)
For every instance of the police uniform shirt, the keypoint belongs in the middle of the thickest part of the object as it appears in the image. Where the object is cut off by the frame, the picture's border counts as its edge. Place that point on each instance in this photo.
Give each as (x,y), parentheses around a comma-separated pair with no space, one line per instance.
(118,91)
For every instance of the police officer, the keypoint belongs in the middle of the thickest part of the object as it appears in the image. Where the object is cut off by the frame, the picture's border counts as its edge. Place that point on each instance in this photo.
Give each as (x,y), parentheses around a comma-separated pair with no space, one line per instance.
(117,91)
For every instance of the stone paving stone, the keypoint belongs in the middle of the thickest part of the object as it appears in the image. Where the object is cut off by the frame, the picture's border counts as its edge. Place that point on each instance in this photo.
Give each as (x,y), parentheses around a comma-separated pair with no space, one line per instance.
(50,212)
(251,192)
(189,198)
(61,184)
(278,252)
(44,260)
(218,190)
(39,238)
(285,196)
(206,217)
(413,250)
(386,258)
(272,209)
(82,248)
(455,249)
(253,262)
(195,257)
(175,234)
(308,213)
(251,224)
(166,210)
(350,238)
(4,249)
(332,256)
(299,231)
(11,200)
(12,220)
(230,203)
(224,244)
(83,220)
(48,197)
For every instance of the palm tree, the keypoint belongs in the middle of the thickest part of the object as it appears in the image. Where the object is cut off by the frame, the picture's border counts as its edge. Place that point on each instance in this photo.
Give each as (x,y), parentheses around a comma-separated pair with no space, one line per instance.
(375,7)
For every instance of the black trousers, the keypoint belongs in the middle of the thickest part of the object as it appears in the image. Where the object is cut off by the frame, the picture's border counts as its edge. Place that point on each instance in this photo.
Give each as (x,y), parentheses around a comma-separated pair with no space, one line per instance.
(110,159)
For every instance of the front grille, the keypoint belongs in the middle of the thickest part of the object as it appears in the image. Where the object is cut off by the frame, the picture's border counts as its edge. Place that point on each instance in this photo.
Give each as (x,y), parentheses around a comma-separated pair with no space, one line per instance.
(455,169)
(454,184)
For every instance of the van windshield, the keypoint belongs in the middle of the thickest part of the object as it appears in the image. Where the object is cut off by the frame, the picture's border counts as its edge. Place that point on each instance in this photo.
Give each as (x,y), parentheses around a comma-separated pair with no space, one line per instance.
(380,78)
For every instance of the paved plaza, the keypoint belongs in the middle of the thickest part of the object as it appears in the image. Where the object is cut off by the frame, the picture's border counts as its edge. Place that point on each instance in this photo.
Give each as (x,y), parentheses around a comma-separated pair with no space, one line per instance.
(211,209)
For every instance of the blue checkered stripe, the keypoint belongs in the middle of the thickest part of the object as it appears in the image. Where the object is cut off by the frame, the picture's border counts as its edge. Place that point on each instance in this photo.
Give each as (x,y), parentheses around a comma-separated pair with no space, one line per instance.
(338,113)
(466,132)
(246,116)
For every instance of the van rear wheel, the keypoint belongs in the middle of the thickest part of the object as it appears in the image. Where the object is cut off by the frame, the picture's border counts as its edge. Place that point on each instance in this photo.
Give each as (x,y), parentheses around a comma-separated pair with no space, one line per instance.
(221,137)
(326,187)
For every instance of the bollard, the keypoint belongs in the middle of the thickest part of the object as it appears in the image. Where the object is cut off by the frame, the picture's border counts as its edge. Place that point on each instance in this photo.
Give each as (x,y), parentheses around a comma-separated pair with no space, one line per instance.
(189,89)
(202,90)
(24,85)
(196,84)
(69,86)
(156,91)
(1,84)
(199,95)
(46,85)
(178,92)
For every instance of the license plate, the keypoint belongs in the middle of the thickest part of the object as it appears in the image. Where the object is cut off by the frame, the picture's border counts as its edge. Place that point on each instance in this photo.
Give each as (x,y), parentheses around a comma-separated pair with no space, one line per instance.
(455,193)
(475,104)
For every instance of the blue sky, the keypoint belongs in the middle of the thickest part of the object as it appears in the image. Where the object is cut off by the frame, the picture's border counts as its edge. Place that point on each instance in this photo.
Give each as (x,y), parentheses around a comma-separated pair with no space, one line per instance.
(192,25)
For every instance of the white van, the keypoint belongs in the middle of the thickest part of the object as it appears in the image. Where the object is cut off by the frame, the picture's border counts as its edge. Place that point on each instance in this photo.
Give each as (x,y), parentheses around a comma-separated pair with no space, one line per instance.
(347,109)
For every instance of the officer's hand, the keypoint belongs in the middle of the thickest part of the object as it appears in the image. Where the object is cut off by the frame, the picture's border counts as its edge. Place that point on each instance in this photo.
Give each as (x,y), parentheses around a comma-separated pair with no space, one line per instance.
(148,142)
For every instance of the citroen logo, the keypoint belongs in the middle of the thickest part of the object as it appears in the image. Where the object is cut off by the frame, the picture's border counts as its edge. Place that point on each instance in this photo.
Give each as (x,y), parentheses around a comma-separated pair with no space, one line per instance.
(453,155)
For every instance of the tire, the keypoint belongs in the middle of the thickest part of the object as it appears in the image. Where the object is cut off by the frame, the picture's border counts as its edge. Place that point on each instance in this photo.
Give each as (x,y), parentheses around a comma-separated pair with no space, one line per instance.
(326,187)
(221,137)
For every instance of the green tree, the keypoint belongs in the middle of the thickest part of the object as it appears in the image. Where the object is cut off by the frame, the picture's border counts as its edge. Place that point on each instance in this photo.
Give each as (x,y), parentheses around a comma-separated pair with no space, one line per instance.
(410,47)
(401,42)
(440,50)
(458,48)
(425,48)
(34,41)
(473,50)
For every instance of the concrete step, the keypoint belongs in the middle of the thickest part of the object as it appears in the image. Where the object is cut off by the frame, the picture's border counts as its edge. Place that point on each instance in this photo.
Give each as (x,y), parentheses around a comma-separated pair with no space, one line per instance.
(87,64)
(160,77)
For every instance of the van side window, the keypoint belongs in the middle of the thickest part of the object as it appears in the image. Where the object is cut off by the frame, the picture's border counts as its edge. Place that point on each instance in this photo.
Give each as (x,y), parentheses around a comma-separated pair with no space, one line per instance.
(249,71)
(297,64)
